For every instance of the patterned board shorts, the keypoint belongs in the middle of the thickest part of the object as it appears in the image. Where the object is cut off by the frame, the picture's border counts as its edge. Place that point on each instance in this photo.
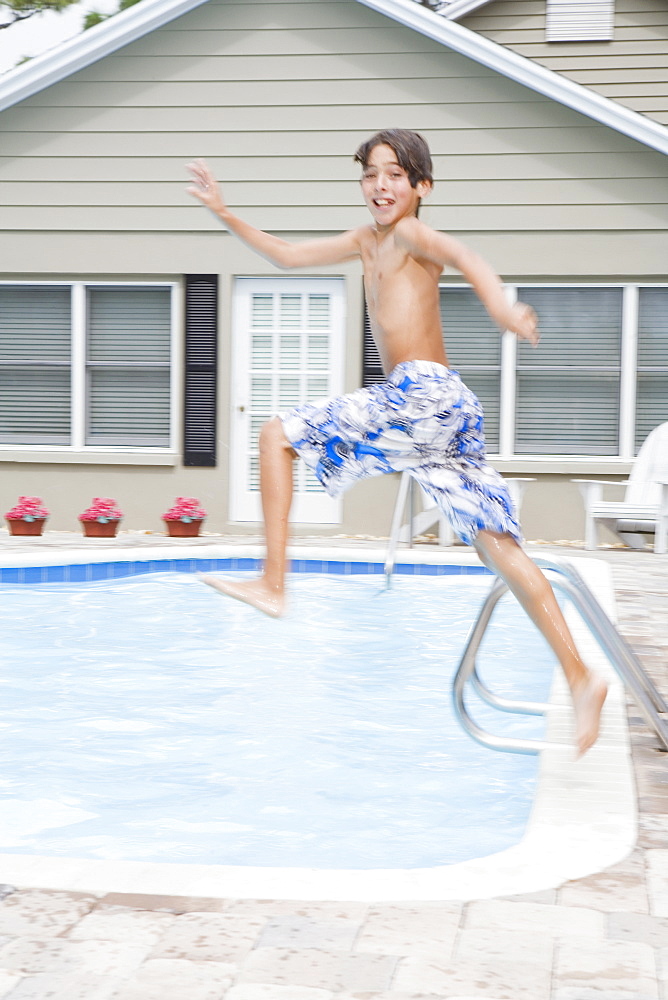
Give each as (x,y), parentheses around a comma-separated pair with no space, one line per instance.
(423,419)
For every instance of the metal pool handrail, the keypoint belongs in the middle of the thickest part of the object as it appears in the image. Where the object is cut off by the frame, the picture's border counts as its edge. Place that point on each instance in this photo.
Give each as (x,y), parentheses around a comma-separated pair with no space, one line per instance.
(566,579)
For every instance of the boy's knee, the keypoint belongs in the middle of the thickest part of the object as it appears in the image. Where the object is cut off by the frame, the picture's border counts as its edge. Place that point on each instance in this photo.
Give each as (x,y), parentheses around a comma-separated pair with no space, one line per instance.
(494,547)
(272,435)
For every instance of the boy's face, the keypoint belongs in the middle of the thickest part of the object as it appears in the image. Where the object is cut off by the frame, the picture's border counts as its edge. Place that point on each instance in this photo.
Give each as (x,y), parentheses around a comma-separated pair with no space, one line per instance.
(387,190)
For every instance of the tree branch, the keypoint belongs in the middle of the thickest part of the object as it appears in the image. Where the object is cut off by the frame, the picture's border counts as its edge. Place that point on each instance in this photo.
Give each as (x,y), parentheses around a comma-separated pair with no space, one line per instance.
(18,17)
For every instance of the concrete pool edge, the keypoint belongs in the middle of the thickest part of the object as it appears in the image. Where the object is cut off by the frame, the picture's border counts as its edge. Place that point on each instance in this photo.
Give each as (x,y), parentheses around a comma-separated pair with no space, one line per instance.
(583,819)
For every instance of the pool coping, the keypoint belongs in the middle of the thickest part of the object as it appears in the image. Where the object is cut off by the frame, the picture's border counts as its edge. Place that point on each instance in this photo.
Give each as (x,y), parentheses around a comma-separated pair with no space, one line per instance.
(583,818)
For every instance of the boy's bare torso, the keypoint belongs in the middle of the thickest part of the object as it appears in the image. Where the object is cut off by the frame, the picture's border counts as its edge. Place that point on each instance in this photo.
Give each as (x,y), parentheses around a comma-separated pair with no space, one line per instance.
(402,298)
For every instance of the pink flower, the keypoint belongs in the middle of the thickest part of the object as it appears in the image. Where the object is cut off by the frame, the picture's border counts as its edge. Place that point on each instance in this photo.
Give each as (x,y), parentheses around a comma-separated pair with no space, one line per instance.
(28,509)
(185,509)
(102,509)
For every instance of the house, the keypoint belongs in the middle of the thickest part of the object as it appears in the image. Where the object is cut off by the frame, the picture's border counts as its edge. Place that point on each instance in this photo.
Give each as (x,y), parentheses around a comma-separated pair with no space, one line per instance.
(141,346)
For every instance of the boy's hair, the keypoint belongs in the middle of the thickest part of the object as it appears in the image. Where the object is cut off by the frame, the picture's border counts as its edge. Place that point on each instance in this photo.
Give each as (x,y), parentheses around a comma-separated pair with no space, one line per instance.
(410,148)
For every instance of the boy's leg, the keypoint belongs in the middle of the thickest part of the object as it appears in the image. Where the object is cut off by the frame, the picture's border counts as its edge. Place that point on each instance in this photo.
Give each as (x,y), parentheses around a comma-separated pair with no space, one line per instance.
(503,555)
(267,592)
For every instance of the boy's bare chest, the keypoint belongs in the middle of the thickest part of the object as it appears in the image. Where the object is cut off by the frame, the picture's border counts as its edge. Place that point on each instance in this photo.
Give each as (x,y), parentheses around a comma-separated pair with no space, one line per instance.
(381,260)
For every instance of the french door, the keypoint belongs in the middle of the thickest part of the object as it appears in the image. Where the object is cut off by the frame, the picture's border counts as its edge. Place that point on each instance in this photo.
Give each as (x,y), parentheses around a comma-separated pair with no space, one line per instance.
(287,348)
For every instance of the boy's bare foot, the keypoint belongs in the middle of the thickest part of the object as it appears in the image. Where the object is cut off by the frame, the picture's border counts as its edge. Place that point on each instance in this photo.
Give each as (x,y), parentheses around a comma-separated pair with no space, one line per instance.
(253,592)
(588,699)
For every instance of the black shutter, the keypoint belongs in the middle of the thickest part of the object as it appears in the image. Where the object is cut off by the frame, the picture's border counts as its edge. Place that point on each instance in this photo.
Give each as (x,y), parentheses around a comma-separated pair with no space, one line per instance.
(372,368)
(201,362)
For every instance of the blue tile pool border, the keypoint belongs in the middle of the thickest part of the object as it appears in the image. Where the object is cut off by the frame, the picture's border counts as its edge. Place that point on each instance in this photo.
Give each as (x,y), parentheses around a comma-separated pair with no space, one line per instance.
(89,572)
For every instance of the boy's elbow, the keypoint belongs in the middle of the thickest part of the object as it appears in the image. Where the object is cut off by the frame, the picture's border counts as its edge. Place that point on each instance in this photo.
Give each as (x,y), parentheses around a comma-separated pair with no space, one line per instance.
(466,261)
(286,258)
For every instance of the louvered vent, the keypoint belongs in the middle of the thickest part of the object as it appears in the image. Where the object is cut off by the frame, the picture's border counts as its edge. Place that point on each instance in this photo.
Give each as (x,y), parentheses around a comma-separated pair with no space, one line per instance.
(579,20)
(201,358)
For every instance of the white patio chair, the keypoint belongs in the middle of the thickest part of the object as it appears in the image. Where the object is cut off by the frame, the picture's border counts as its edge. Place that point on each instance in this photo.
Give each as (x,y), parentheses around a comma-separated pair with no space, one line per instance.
(420,522)
(644,509)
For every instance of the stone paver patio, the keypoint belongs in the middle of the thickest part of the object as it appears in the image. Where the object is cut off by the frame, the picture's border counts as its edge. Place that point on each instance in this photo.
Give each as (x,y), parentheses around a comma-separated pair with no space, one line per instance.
(604,937)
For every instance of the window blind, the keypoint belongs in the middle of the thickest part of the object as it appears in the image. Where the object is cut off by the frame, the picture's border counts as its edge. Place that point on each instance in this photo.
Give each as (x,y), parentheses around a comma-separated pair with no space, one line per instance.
(128,362)
(129,325)
(35,351)
(372,368)
(473,345)
(652,379)
(568,387)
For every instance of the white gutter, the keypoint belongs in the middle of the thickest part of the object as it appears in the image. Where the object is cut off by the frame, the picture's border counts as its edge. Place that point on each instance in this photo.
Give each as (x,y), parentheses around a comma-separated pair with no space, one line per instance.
(82,50)
(525,71)
(460,8)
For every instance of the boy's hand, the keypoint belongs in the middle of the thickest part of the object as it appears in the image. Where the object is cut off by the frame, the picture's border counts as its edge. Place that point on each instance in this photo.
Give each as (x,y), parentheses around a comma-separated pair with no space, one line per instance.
(523,321)
(206,186)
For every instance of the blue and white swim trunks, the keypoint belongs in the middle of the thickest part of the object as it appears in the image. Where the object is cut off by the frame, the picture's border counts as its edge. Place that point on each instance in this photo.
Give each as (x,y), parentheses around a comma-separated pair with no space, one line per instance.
(423,420)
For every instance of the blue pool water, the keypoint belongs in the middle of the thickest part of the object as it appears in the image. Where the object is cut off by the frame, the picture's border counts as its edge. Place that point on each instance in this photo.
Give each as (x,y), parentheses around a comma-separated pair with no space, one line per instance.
(148,718)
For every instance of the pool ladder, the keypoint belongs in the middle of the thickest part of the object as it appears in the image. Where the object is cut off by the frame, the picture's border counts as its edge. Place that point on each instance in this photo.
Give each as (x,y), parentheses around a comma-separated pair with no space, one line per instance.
(566,579)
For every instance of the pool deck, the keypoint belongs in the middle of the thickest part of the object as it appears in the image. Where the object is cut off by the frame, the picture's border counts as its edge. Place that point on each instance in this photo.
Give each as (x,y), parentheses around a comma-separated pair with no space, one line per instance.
(603,937)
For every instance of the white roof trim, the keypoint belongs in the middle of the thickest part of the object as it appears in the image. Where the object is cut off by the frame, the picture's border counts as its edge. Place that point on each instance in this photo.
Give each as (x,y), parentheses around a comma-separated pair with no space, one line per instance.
(144,17)
(86,48)
(460,8)
(525,71)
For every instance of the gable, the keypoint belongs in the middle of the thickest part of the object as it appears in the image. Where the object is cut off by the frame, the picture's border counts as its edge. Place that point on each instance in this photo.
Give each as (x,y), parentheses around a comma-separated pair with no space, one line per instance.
(143,18)
(278,96)
(630,69)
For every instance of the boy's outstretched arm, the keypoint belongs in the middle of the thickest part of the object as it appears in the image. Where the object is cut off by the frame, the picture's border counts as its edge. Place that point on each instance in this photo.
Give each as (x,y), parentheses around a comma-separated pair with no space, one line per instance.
(281,253)
(442,249)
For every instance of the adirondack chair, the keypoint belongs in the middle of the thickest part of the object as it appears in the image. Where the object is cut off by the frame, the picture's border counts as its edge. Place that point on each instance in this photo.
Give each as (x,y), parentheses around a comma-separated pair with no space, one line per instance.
(419,522)
(644,509)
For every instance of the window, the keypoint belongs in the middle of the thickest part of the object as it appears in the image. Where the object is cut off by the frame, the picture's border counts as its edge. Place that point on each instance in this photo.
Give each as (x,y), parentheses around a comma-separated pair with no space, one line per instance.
(35,364)
(86,365)
(474,350)
(127,366)
(567,395)
(596,384)
(652,379)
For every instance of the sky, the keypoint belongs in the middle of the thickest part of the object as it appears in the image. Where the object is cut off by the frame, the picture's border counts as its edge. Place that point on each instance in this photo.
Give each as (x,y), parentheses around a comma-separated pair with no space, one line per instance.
(45,31)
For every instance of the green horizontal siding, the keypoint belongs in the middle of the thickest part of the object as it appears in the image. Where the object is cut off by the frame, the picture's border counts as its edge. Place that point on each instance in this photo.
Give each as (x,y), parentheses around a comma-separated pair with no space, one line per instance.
(452,194)
(280,167)
(278,96)
(316,218)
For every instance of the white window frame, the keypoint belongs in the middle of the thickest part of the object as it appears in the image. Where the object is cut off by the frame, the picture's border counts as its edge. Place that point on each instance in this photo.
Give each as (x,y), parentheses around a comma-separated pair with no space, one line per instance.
(78,451)
(506,459)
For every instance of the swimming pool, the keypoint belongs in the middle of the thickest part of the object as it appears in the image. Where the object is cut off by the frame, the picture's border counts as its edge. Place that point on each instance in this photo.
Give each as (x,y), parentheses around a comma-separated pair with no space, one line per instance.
(174,725)
(95,615)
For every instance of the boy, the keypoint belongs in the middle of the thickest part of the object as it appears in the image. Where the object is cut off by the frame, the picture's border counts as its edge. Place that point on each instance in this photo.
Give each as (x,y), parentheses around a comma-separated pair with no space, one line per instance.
(423,418)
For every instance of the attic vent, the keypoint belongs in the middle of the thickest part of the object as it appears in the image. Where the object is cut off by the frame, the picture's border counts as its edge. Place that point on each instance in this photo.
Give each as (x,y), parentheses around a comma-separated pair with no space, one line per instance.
(579,20)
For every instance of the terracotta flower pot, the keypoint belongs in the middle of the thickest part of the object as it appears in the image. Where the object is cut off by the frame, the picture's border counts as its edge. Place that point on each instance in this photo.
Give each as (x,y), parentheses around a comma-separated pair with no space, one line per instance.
(100,529)
(184,529)
(19,526)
